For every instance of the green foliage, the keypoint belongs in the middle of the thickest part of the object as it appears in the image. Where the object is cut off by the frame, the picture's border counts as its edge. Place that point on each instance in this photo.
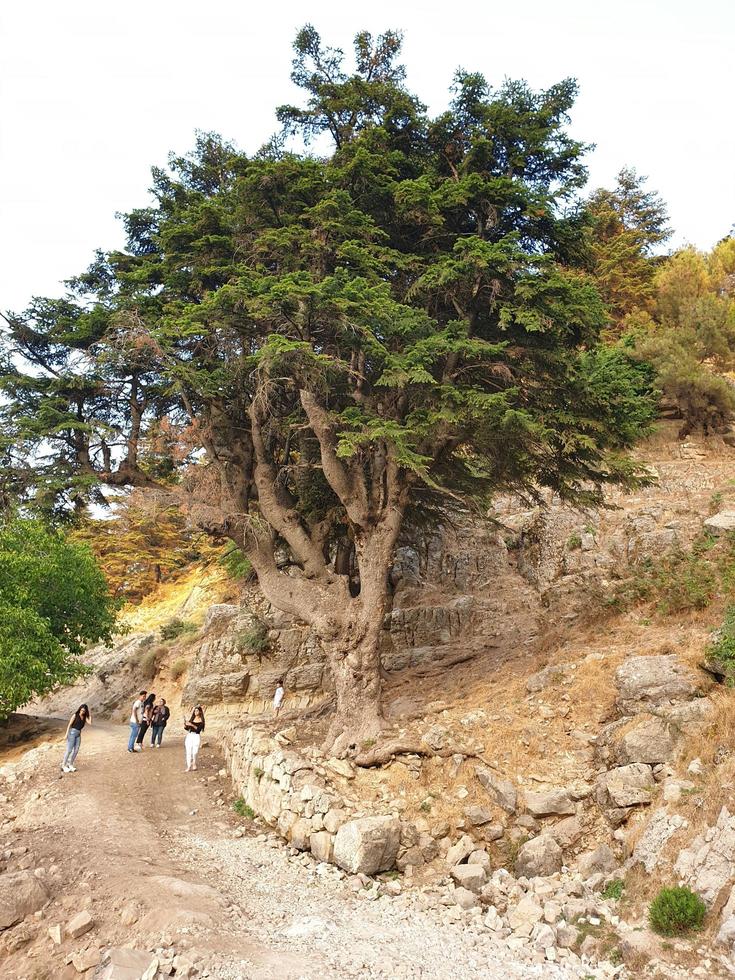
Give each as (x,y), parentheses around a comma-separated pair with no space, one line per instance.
(574,542)
(178,668)
(54,601)
(254,639)
(258,773)
(148,663)
(242,809)
(676,911)
(235,563)
(614,889)
(721,651)
(176,627)
(682,581)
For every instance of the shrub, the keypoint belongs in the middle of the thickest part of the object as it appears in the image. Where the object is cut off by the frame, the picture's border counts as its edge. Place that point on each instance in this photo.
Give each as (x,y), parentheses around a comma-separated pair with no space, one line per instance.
(235,563)
(614,889)
(176,627)
(242,809)
(254,639)
(675,911)
(147,663)
(574,543)
(721,651)
(178,667)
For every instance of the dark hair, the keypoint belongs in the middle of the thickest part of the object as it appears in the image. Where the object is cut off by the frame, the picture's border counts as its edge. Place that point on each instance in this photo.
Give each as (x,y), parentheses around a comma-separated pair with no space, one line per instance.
(142,692)
(150,699)
(279,681)
(199,708)
(82,708)
(163,700)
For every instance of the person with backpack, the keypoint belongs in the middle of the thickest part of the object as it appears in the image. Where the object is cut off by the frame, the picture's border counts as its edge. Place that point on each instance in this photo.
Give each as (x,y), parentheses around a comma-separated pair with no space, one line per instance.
(81,717)
(145,721)
(194,728)
(159,717)
(136,718)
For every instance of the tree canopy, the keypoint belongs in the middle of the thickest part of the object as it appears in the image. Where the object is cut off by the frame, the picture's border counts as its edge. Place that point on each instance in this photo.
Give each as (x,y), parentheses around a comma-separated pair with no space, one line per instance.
(54,601)
(300,347)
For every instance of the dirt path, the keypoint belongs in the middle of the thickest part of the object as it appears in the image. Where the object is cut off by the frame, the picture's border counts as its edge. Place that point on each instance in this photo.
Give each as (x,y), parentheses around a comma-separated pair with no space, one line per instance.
(152,853)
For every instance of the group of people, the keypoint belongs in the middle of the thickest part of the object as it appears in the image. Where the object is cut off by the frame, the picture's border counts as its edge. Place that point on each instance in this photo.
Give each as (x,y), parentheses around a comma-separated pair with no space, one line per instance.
(149,713)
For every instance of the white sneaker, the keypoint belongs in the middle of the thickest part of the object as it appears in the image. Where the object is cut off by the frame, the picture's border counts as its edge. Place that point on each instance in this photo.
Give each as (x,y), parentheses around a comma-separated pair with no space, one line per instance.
(72,768)
(65,769)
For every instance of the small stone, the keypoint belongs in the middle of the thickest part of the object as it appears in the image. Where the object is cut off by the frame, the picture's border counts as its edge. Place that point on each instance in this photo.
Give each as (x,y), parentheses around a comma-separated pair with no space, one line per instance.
(470,876)
(129,914)
(465,898)
(55,935)
(79,925)
(85,960)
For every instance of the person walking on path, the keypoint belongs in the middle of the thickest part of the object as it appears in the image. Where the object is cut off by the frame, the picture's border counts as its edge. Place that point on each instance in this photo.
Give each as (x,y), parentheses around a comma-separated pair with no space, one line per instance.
(81,717)
(136,718)
(278,697)
(194,728)
(145,721)
(159,717)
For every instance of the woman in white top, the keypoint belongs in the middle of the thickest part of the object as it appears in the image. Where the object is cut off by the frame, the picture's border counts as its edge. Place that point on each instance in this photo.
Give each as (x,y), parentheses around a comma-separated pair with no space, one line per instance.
(278,696)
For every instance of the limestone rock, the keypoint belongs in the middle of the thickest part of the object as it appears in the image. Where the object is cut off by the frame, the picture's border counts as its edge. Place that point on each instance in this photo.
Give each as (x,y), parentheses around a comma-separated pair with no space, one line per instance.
(549,803)
(524,916)
(367,845)
(599,861)
(322,846)
(79,925)
(85,960)
(301,832)
(721,523)
(465,898)
(129,964)
(478,815)
(651,742)
(460,850)
(470,876)
(491,831)
(21,893)
(643,682)
(659,830)
(539,856)
(620,789)
(501,790)
(708,864)
(566,832)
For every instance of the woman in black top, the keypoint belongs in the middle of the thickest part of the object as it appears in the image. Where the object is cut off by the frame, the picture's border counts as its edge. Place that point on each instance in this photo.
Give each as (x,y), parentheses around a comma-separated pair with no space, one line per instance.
(145,721)
(194,728)
(78,720)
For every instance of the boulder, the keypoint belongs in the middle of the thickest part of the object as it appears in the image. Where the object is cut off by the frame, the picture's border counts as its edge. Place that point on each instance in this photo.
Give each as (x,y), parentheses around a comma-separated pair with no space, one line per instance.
(124,963)
(322,846)
(478,815)
(620,789)
(502,791)
(660,829)
(524,916)
(539,856)
(553,802)
(721,523)
(79,925)
(645,682)
(491,831)
(566,832)
(707,866)
(21,893)
(460,850)
(367,845)
(470,876)
(651,742)
(599,861)
(465,898)
(301,831)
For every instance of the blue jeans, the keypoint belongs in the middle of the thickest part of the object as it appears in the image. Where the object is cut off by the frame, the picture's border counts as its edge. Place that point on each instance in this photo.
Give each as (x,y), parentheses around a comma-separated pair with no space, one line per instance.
(134,729)
(73,741)
(157,734)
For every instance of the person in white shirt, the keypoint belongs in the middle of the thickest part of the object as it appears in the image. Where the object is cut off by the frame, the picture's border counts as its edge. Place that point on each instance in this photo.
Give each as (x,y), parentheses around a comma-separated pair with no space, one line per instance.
(278,697)
(136,717)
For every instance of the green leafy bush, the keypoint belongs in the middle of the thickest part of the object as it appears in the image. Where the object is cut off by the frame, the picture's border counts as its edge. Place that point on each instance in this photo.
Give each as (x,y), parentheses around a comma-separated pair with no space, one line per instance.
(235,563)
(675,911)
(54,601)
(614,889)
(242,809)
(176,627)
(254,639)
(178,667)
(721,651)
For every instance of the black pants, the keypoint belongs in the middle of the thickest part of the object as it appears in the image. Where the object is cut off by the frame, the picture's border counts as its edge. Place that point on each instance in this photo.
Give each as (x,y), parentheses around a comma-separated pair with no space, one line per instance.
(141,733)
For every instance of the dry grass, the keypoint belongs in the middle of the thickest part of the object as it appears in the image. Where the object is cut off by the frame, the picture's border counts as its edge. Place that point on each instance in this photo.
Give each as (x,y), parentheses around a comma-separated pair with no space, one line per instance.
(186,598)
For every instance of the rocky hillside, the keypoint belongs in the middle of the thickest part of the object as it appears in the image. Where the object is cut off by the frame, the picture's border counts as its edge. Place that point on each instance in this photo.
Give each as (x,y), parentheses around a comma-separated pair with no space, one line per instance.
(556,753)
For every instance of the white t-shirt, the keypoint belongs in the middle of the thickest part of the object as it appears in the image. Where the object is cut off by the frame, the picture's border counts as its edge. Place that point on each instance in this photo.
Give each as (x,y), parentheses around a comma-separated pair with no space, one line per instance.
(278,697)
(134,719)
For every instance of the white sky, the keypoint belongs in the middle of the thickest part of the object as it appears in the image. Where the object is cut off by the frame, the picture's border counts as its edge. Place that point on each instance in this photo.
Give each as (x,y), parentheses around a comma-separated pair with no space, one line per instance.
(92,93)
